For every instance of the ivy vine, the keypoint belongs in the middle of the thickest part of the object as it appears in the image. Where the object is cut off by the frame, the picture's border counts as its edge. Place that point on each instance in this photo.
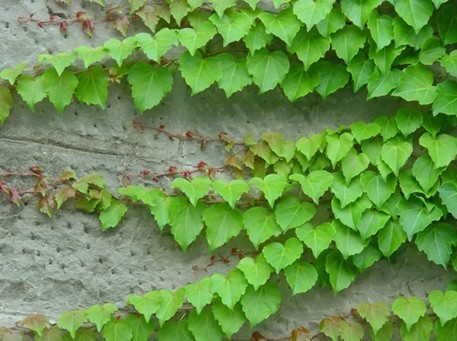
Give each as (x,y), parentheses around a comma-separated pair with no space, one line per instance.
(381,184)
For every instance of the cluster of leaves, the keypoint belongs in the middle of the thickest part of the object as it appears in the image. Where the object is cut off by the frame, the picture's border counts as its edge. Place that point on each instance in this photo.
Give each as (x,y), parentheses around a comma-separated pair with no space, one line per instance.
(385,183)
(233,302)
(305,46)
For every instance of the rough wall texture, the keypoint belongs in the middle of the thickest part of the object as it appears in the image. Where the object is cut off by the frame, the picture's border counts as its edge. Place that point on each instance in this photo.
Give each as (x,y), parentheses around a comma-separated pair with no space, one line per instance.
(51,265)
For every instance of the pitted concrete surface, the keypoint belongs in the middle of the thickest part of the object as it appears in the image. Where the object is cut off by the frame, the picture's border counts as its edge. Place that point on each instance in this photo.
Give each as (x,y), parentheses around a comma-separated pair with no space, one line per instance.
(48,265)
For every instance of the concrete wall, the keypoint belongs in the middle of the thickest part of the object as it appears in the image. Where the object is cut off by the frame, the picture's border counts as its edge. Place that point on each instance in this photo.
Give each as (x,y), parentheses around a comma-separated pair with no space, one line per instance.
(66,262)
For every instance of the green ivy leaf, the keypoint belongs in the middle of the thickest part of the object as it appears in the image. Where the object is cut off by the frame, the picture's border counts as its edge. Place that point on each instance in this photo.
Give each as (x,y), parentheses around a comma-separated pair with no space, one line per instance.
(194,189)
(230,320)
(135,5)
(230,288)
(301,277)
(12,73)
(175,331)
(179,9)
(377,189)
(449,62)
(447,23)
(425,172)
(170,302)
(446,332)
(436,241)
(408,120)
(100,314)
(442,149)
(408,184)
(390,238)
(333,78)
(149,85)
(272,186)
(194,38)
(291,212)
(199,294)
(222,5)
(333,22)
(366,258)
(59,61)
(347,241)
(140,329)
(316,238)
(260,304)
(222,223)
(432,50)
(309,47)
(358,12)
(361,70)
(315,184)
(234,74)
(185,220)
(90,55)
(353,164)
(371,222)
(404,34)
(260,225)
(338,147)
(267,69)
(443,304)
(59,88)
(415,217)
(155,47)
(118,330)
(146,305)
(310,145)
(311,12)
(363,131)
(381,29)
(112,215)
(348,41)
(119,50)
(280,256)
(410,310)
(257,38)
(298,82)
(72,320)
(395,153)
(416,13)
(31,90)
(448,194)
(35,322)
(388,126)
(351,214)
(233,25)
(341,272)
(376,314)
(446,101)
(93,86)
(331,326)
(416,84)
(198,72)
(283,25)
(346,193)
(283,149)
(381,84)
(6,103)
(421,330)
(257,271)
(351,331)
(230,191)
(252,3)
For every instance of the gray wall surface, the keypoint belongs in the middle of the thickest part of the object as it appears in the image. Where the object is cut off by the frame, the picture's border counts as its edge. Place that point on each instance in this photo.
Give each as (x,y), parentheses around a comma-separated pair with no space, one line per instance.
(49,265)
